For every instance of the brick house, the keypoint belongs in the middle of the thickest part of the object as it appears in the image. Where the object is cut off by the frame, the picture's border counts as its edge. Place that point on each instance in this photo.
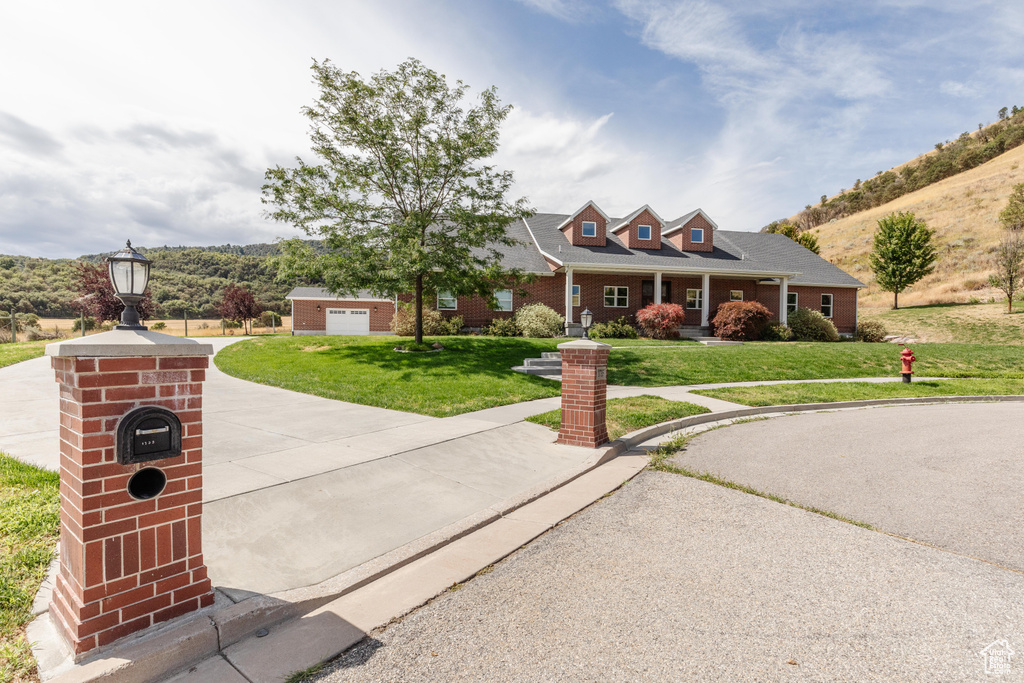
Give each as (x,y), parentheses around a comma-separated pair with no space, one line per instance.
(616,266)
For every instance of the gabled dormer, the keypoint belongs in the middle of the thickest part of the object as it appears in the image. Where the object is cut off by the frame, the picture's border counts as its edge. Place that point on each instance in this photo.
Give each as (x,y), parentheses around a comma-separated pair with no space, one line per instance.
(693,232)
(641,229)
(587,227)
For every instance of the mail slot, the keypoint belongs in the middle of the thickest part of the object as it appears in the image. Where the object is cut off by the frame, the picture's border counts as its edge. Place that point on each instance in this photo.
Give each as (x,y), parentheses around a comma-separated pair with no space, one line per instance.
(148,433)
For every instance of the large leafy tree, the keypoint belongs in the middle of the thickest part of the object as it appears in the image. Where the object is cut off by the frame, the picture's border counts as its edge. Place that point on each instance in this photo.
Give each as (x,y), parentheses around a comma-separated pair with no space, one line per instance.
(902,254)
(401,198)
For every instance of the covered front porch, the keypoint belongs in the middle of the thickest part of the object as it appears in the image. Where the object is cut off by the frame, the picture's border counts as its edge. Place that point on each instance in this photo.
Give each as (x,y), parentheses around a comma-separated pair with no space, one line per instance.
(609,294)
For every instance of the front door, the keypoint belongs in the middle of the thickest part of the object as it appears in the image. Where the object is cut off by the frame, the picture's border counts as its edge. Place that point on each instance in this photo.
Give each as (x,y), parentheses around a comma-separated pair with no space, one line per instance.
(647,293)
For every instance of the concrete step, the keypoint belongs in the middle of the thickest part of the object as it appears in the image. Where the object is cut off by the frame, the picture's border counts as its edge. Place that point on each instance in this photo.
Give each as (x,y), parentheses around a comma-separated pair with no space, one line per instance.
(543,371)
(543,363)
(717,341)
(552,354)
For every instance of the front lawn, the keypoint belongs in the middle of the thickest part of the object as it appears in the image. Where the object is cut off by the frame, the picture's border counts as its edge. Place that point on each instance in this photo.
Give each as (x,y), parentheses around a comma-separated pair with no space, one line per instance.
(472,373)
(625,415)
(757,361)
(791,394)
(29,525)
(15,353)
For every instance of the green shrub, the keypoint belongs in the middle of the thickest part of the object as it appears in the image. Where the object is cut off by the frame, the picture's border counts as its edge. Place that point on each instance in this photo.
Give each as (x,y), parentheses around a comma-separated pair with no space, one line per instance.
(404,321)
(871,331)
(661,321)
(741,320)
(776,331)
(808,325)
(158,326)
(450,327)
(230,324)
(90,324)
(538,320)
(269,319)
(615,329)
(502,327)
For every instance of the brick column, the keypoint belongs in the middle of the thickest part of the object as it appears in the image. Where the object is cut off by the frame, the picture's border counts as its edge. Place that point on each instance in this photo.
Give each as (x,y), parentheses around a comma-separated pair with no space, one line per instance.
(584,390)
(126,563)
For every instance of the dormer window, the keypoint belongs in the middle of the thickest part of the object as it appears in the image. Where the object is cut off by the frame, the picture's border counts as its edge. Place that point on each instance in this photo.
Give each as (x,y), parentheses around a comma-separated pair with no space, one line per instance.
(696,235)
(588,229)
(643,232)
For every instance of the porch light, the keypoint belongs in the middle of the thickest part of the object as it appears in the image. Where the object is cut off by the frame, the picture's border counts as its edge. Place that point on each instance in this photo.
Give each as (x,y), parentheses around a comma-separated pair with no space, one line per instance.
(129,274)
(586,319)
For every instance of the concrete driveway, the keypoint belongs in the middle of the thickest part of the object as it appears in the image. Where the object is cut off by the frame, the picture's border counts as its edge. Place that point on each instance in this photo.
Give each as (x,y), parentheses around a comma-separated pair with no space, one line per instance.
(298,488)
(672,578)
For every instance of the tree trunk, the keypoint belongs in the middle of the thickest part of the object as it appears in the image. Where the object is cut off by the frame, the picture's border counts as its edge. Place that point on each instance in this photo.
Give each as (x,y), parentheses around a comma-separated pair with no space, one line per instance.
(895,301)
(419,309)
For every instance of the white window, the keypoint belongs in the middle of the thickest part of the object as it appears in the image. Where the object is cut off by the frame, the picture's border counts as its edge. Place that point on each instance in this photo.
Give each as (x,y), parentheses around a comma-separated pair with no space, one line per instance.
(504,297)
(791,302)
(696,235)
(575,295)
(643,232)
(589,229)
(735,295)
(826,305)
(616,297)
(695,299)
(446,301)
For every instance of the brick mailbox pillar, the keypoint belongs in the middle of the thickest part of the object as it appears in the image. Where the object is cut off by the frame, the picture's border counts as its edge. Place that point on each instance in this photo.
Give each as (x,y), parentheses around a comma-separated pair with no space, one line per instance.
(130,534)
(584,391)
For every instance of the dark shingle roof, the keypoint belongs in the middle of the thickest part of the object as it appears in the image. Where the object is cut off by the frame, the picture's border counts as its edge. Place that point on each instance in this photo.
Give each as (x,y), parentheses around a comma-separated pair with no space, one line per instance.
(321,293)
(734,252)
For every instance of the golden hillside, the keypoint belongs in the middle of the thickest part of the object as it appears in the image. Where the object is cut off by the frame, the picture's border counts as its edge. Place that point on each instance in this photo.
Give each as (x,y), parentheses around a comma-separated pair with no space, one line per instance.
(964,212)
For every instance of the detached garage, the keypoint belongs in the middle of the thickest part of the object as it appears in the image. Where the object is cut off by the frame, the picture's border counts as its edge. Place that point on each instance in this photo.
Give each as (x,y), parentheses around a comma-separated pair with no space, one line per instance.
(316,311)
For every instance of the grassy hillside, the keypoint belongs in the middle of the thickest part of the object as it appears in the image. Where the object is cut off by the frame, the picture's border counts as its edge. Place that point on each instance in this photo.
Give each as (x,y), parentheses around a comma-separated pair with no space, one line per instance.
(965,323)
(964,212)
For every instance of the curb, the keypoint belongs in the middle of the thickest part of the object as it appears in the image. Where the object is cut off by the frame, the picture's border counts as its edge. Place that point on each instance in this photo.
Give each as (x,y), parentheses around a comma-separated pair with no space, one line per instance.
(180,645)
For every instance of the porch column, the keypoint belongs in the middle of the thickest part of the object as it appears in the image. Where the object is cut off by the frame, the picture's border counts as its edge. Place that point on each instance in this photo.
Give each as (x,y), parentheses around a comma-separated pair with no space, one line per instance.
(568,295)
(705,302)
(657,288)
(783,299)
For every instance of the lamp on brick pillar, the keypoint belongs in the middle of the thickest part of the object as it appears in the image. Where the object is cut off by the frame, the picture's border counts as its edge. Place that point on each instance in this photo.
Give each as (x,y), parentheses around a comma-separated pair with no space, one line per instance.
(129,273)
(131,426)
(584,392)
(586,320)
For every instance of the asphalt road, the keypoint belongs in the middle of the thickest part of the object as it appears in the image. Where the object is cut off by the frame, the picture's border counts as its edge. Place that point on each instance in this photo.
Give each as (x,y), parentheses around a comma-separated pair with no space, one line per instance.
(676,579)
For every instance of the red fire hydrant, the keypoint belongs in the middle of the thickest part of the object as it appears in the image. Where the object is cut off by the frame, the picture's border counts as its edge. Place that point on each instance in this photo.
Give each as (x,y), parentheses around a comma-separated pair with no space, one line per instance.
(907,357)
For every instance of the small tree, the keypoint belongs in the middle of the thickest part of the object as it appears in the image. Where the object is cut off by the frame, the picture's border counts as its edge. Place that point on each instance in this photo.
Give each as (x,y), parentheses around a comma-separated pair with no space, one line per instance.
(97,295)
(1012,217)
(902,253)
(402,200)
(1009,265)
(804,239)
(239,305)
(661,321)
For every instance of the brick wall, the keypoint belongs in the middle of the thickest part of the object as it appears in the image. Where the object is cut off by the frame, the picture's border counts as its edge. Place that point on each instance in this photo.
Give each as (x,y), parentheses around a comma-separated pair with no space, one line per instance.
(573,230)
(127,564)
(584,394)
(630,237)
(681,237)
(844,304)
(308,319)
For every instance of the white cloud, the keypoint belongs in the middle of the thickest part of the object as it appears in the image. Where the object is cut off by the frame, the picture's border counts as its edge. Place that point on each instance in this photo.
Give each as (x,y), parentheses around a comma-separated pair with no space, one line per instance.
(955,89)
(572,11)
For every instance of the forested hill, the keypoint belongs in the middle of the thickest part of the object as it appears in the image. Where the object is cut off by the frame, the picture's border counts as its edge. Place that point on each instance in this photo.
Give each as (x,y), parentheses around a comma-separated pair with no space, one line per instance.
(183,278)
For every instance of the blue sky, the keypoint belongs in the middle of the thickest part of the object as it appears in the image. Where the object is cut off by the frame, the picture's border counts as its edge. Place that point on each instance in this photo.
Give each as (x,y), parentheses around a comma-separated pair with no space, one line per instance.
(155,122)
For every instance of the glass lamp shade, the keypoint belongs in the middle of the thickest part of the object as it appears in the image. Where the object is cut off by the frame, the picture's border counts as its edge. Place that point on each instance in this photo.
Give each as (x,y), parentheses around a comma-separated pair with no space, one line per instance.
(129,272)
(586,318)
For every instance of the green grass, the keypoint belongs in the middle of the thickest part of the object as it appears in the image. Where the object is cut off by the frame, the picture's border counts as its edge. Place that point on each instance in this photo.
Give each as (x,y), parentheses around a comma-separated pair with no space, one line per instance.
(790,394)
(472,373)
(661,462)
(29,525)
(697,364)
(15,353)
(625,415)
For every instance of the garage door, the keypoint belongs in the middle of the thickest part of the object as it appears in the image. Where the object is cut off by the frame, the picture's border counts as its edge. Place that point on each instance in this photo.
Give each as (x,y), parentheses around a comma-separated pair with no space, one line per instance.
(348,321)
